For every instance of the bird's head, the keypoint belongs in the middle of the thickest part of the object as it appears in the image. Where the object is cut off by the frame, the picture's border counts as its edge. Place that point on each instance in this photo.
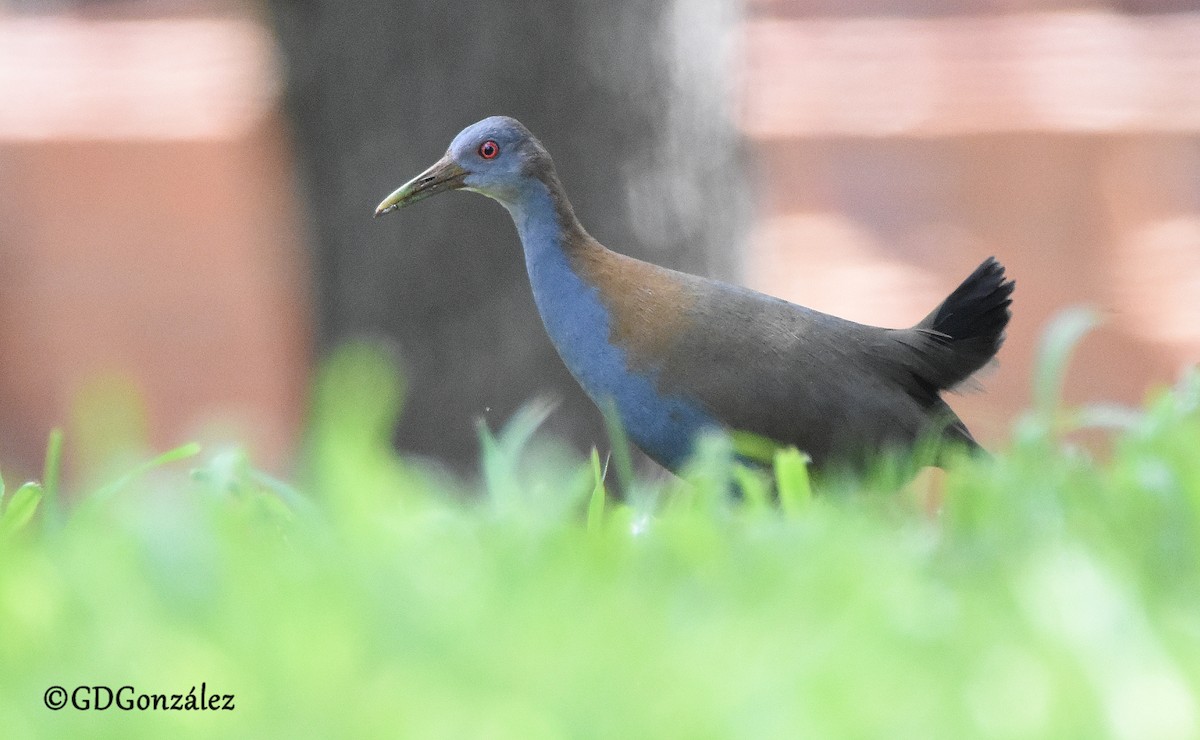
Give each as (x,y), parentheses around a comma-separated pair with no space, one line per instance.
(496,157)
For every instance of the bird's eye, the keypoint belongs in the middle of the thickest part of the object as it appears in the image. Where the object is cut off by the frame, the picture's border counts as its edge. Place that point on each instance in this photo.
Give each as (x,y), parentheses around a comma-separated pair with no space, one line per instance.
(489,149)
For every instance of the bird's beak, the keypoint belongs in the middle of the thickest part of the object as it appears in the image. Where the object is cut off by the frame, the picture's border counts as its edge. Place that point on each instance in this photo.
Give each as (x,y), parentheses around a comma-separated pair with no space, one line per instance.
(445,174)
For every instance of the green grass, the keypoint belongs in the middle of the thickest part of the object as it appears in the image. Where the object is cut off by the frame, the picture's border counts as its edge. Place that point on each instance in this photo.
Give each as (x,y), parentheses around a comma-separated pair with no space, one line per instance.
(1051,595)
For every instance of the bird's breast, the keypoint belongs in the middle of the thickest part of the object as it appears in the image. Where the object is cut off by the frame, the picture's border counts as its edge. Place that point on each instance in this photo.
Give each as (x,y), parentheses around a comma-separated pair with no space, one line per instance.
(613,325)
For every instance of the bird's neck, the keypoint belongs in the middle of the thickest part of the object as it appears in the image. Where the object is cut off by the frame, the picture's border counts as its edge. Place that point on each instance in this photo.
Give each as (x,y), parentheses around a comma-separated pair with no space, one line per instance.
(554,242)
(546,222)
(583,317)
(572,309)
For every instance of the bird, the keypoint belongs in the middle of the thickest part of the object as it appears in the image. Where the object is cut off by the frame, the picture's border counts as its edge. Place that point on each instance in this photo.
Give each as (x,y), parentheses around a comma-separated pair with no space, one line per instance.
(676,355)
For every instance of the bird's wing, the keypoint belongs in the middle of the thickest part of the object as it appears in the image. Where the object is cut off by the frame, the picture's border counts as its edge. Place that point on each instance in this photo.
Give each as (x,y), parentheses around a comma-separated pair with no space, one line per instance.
(832,387)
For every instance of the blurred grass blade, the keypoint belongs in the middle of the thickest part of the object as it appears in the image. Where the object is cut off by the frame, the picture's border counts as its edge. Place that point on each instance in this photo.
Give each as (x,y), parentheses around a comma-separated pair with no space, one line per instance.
(349,463)
(595,510)
(501,454)
(179,453)
(755,491)
(619,442)
(50,472)
(20,509)
(517,433)
(1187,391)
(1106,416)
(791,478)
(754,447)
(1057,345)
(295,500)
(497,472)
(708,475)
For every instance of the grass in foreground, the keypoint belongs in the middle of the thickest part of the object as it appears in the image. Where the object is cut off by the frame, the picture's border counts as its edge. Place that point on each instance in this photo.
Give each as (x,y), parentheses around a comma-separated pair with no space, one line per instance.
(1052,596)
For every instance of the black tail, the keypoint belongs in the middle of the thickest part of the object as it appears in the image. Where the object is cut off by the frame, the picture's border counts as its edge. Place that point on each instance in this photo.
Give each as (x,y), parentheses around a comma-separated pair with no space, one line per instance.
(968,326)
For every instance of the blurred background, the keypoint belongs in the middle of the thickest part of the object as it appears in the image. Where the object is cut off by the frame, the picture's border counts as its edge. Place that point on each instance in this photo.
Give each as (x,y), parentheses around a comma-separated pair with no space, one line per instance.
(186,190)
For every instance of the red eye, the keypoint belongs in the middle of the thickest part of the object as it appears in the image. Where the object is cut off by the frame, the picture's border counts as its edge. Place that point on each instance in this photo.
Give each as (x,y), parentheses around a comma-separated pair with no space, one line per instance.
(489,149)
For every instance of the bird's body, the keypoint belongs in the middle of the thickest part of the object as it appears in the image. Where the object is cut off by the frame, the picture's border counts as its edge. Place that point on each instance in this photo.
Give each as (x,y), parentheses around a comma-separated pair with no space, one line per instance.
(676,354)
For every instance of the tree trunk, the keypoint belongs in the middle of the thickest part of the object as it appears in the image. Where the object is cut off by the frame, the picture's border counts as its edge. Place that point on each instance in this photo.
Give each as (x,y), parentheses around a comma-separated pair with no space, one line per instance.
(632,99)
